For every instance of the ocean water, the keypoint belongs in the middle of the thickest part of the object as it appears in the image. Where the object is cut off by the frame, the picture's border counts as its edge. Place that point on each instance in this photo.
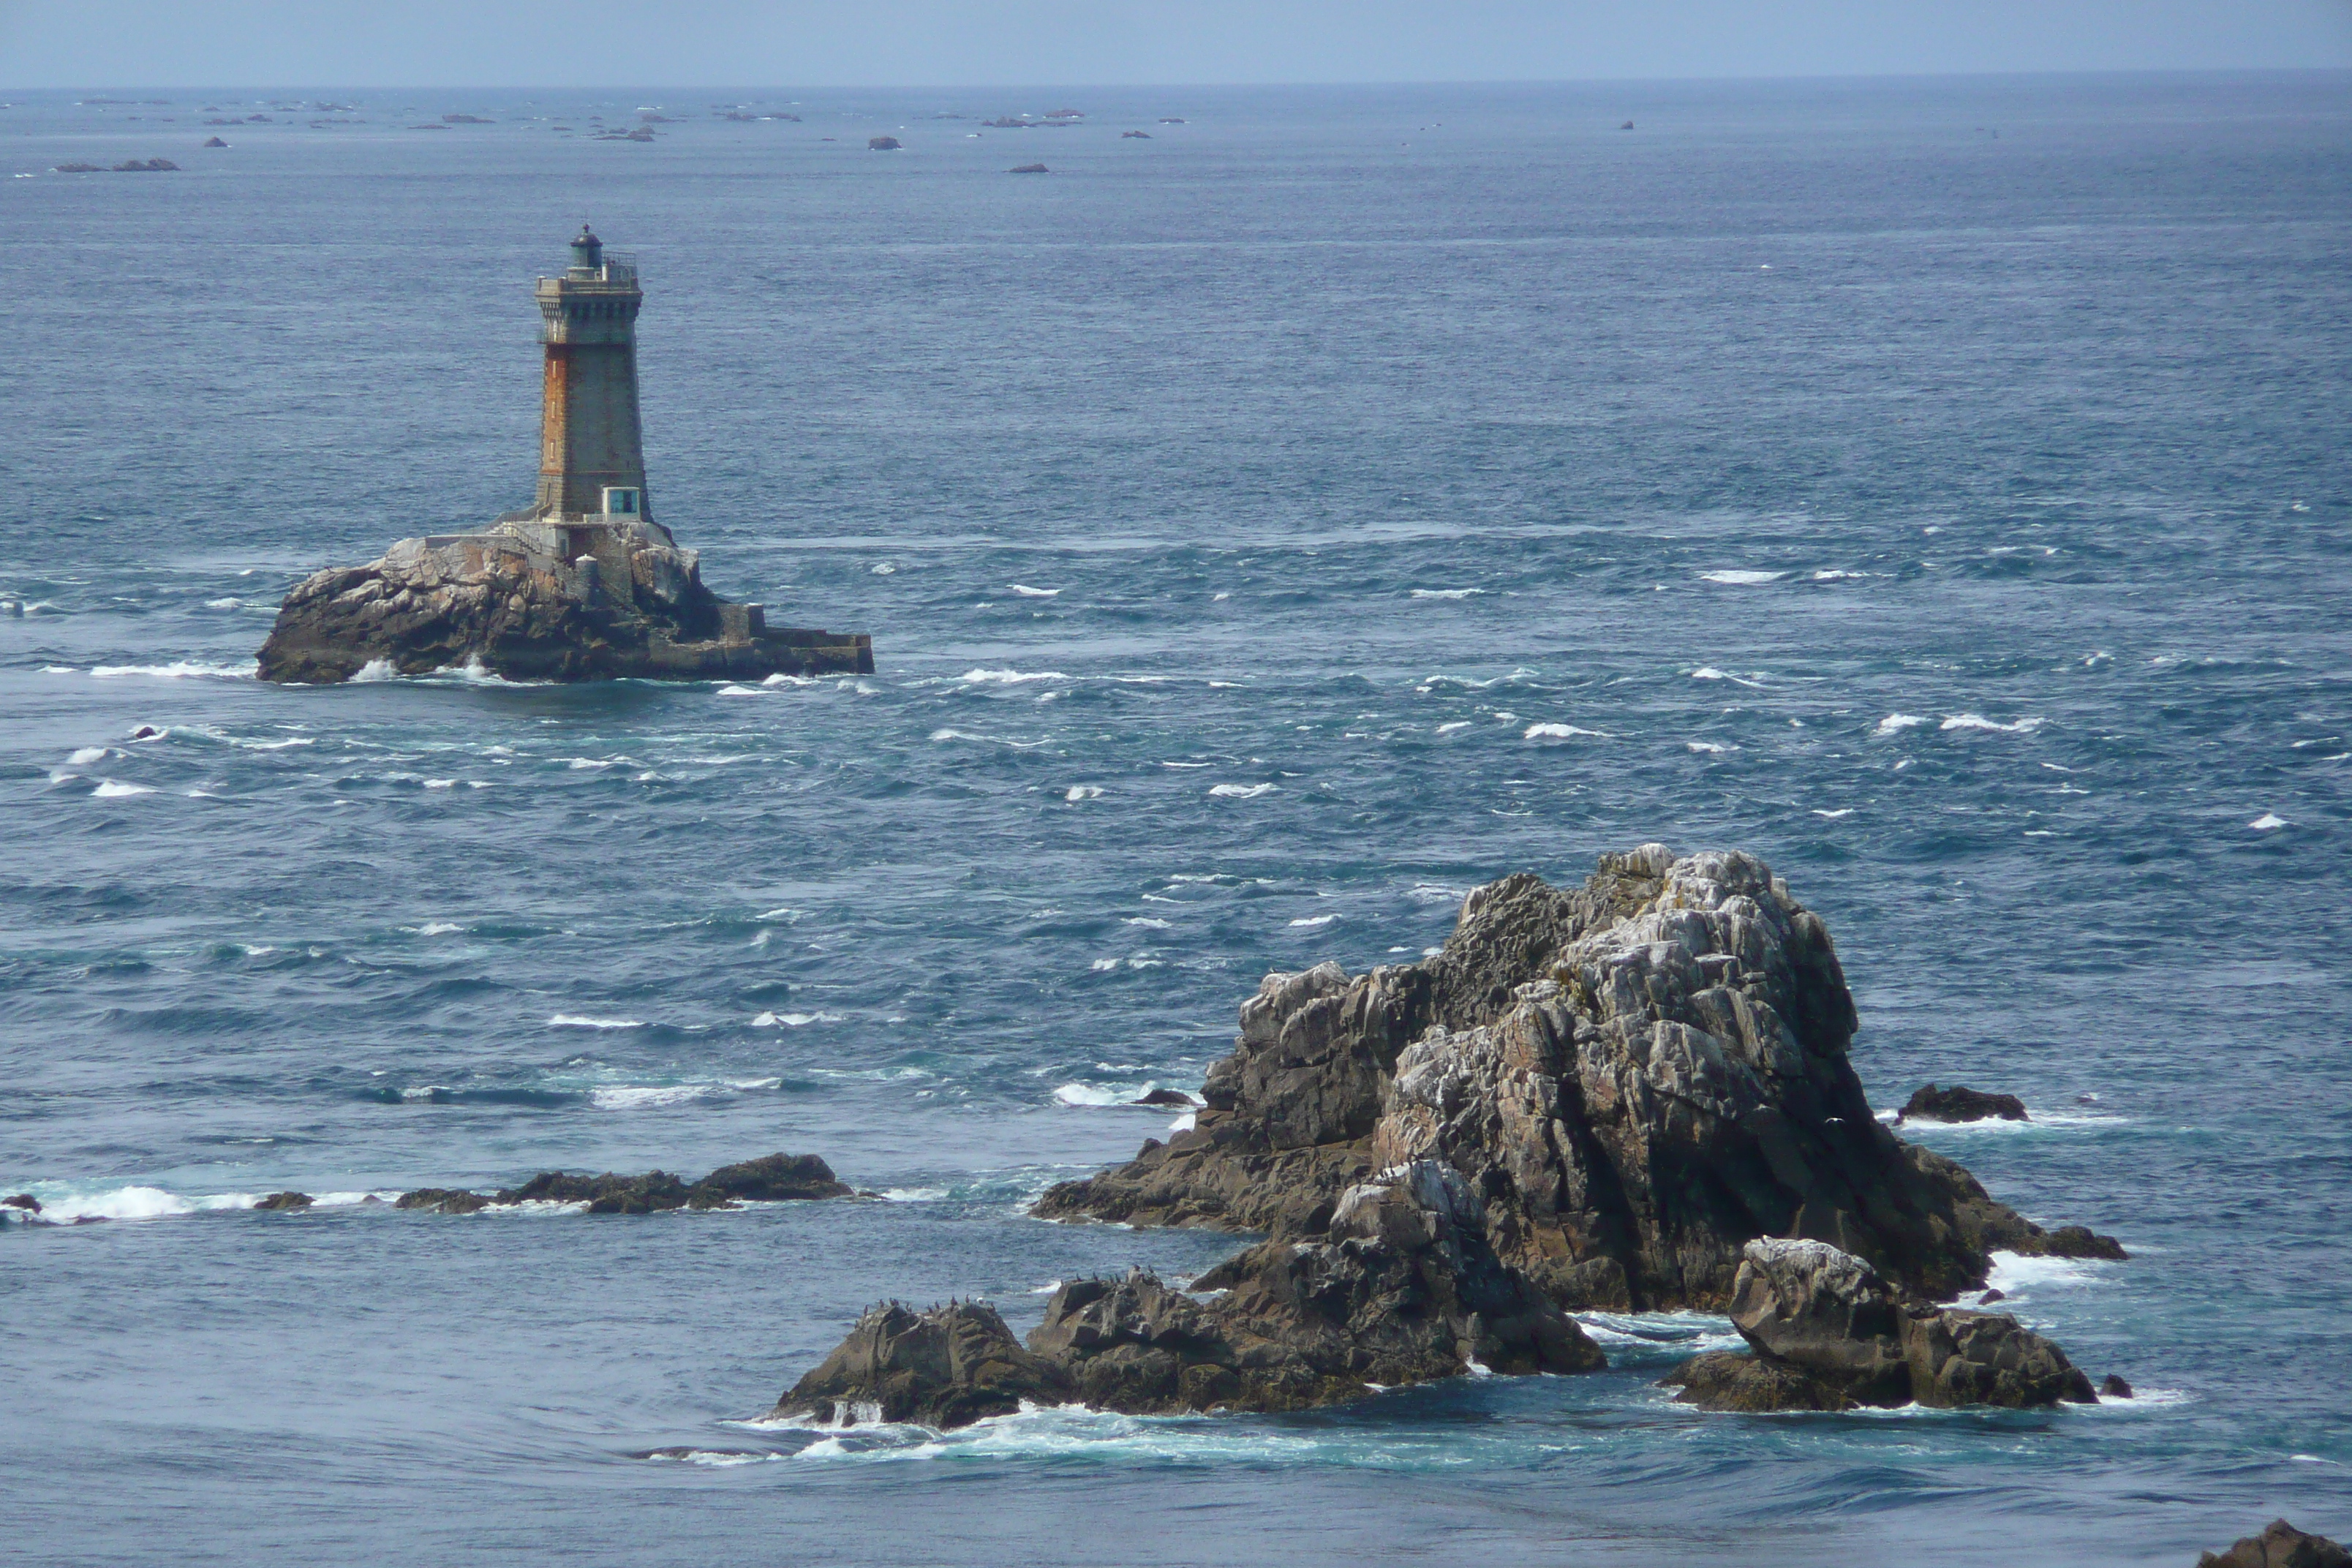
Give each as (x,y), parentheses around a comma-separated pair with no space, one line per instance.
(1269,530)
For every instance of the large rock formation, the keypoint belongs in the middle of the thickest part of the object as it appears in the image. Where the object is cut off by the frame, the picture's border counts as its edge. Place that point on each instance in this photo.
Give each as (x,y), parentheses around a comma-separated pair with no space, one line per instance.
(1405,1291)
(2280,1545)
(1827,1333)
(537,600)
(1960,1103)
(1636,1079)
(770,1179)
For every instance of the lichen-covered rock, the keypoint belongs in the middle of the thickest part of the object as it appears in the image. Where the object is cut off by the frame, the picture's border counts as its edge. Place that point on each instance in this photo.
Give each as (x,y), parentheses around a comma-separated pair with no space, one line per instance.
(1960,1103)
(533,600)
(1405,1290)
(1827,1332)
(1636,1077)
(2280,1545)
(949,1367)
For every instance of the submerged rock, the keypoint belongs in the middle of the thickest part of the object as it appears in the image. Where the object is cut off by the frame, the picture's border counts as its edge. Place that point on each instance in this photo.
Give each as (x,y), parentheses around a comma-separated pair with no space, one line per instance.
(2280,1545)
(24,1201)
(1827,1333)
(1961,1104)
(1405,1291)
(1636,1079)
(532,600)
(772,1179)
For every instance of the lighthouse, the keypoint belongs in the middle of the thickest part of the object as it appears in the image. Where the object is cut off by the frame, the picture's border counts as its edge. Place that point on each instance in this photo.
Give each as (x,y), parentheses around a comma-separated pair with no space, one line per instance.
(592,459)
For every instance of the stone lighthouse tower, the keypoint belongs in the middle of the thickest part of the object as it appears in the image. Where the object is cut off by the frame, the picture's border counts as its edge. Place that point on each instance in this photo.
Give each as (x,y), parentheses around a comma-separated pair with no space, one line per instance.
(592,456)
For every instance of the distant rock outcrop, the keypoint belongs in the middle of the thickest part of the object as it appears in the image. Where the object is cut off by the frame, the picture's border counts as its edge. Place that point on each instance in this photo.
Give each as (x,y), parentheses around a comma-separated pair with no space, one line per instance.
(1960,1104)
(882,143)
(773,1178)
(1405,1291)
(1827,1333)
(1028,169)
(2280,1545)
(519,601)
(1636,1079)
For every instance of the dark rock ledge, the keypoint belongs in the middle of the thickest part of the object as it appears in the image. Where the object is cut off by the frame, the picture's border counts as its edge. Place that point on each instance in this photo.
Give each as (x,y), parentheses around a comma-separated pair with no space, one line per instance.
(2280,1545)
(1960,1103)
(773,1178)
(1635,1079)
(1827,1333)
(1403,1289)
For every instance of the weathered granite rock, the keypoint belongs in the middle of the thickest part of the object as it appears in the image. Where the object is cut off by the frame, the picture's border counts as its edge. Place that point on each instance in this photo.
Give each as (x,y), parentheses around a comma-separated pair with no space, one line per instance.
(1828,1333)
(285,1201)
(949,1367)
(531,600)
(1636,1077)
(1405,1291)
(1960,1104)
(773,1178)
(2280,1545)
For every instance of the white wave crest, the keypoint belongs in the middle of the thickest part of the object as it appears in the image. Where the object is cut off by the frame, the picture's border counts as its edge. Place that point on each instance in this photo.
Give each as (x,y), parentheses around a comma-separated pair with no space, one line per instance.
(1008,677)
(1445,593)
(375,669)
(1563,732)
(1313,920)
(582,1021)
(1978,722)
(794,1020)
(1026,591)
(1895,723)
(2262,823)
(1741,577)
(111,789)
(1084,791)
(1243,792)
(179,669)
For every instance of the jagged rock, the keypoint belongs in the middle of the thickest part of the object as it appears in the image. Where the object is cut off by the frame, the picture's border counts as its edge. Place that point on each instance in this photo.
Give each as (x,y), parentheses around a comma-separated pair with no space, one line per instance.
(285,1200)
(945,1367)
(1636,1077)
(1405,1291)
(1960,1104)
(1827,1332)
(773,1178)
(2280,1545)
(522,602)
(2112,1387)
(215,141)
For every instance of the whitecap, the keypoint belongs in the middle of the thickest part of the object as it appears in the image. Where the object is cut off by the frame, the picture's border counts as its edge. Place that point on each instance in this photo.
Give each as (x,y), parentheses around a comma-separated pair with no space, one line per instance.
(1978,722)
(2262,823)
(1090,1094)
(914,1195)
(781,678)
(1895,723)
(1708,746)
(110,789)
(136,1202)
(581,1021)
(1239,792)
(1145,920)
(438,928)
(179,669)
(440,784)
(1008,677)
(85,756)
(1450,728)
(1842,812)
(1099,964)
(637,1097)
(1563,732)
(1708,672)
(1445,593)
(1741,578)
(883,569)
(1026,591)
(794,1020)
(1083,792)
(1314,920)
(732,690)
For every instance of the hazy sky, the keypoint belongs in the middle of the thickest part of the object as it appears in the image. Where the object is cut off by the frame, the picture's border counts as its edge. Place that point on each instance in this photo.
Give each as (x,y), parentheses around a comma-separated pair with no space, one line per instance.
(648,42)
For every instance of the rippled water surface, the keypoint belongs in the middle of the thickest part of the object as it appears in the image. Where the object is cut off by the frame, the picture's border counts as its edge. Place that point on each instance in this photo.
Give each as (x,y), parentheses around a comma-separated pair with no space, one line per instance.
(1269,530)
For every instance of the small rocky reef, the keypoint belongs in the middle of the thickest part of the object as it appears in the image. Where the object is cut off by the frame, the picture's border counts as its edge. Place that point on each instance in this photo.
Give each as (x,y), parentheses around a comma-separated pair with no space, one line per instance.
(1825,1333)
(535,600)
(775,1178)
(1960,1103)
(1402,1289)
(1634,1080)
(2280,1545)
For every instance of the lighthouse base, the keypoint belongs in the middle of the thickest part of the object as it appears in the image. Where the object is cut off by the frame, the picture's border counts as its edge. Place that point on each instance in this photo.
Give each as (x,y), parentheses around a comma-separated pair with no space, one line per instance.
(540,599)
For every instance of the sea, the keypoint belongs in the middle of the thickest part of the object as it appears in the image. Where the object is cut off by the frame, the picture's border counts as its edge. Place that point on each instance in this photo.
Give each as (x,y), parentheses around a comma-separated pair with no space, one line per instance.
(1271,526)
